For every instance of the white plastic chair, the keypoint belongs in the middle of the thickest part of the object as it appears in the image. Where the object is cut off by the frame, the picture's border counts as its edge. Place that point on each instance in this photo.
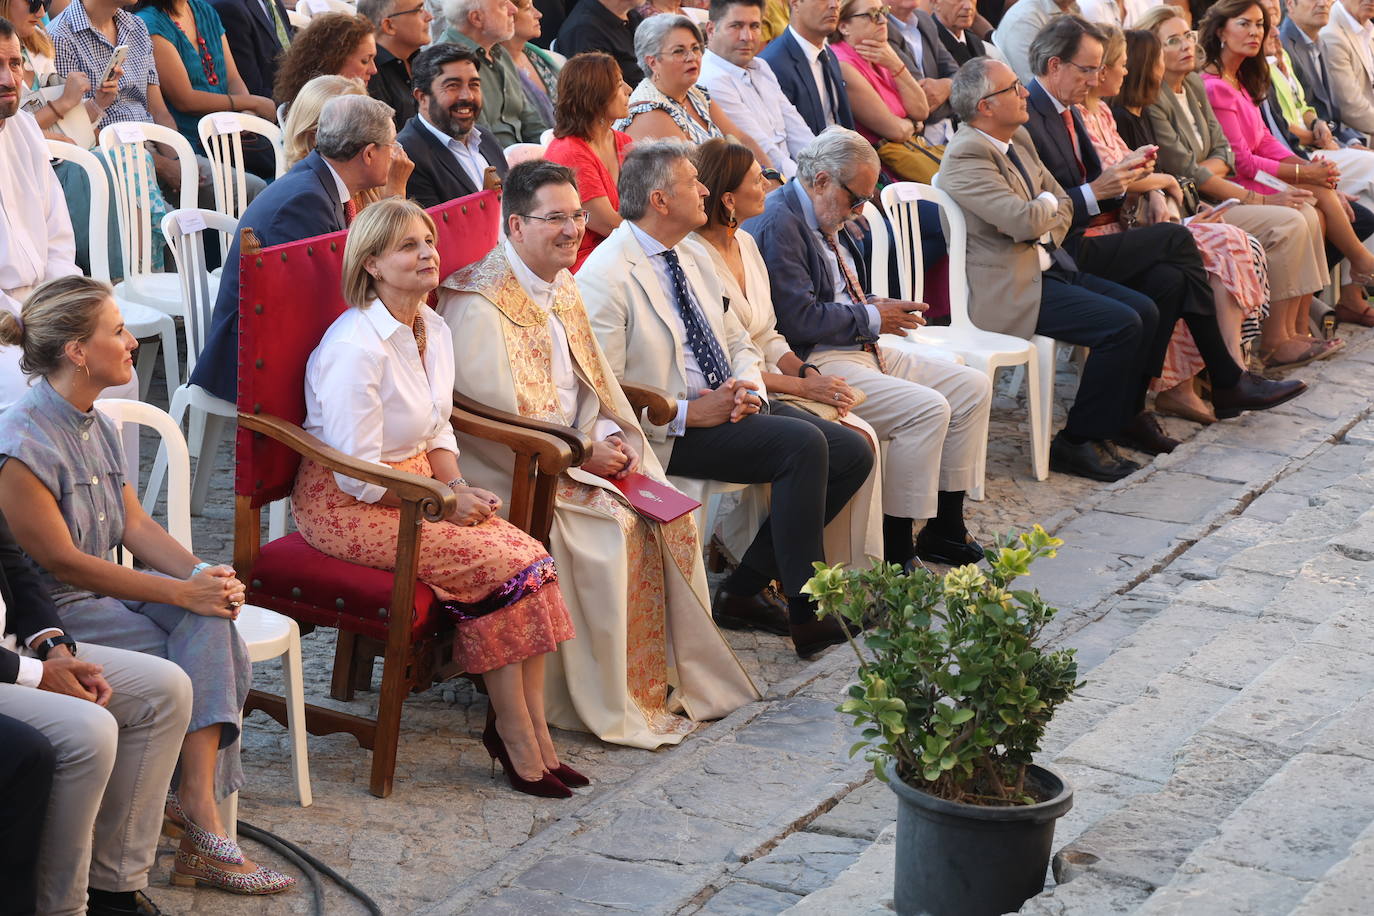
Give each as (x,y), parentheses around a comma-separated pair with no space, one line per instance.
(221,133)
(320,7)
(697,15)
(546,138)
(267,634)
(983,350)
(184,231)
(298,19)
(517,153)
(142,321)
(123,146)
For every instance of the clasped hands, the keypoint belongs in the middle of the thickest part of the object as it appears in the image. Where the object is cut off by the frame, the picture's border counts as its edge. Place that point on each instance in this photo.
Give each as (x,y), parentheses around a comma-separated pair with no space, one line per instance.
(213,592)
(730,403)
(612,457)
(474,506)
(66,674)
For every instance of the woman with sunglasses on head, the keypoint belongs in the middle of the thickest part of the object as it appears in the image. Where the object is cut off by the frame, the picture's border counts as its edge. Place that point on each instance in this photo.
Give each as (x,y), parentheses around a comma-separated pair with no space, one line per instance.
(888,102)
(1236,77)
(1194,148)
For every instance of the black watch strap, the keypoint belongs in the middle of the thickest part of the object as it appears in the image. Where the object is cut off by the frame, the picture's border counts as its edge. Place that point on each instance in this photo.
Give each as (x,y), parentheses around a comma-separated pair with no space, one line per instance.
(52,642)
(801,373)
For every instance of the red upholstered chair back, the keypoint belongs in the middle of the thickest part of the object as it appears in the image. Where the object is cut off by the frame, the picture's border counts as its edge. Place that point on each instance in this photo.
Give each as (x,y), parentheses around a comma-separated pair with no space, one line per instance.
(288,297)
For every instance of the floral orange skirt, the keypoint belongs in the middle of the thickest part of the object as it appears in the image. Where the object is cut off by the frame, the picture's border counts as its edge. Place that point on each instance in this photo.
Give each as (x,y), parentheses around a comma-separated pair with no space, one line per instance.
(500,581)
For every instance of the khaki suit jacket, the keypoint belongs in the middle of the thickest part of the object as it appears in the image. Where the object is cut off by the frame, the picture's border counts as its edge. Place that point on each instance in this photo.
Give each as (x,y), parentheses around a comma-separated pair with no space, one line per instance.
(1005,218)
(1352,85)
(637,325)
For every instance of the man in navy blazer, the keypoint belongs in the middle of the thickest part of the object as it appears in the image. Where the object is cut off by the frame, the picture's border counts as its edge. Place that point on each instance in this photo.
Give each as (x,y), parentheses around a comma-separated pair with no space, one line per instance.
(353,152)
(932,415)
(1159,260)
(451,151)
(821,98)
(253,39)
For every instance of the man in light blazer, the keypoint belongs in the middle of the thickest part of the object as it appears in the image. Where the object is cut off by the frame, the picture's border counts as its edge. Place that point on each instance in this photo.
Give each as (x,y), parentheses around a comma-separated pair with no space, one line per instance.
(451,151)
(807,69)
(657,310)
(1021,282)
(1348,62)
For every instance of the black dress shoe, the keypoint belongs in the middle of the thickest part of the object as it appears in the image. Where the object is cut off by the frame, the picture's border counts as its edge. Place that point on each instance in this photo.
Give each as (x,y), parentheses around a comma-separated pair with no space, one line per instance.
(933,548)
(119,903)
(1094,460)
(751,612)
(1144,434)
(1254,392)
(811,637)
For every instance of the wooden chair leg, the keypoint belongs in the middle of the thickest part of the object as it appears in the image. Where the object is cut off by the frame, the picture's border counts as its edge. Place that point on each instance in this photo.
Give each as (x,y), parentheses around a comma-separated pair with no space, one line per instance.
(341,685)
(363,656)
(394,690)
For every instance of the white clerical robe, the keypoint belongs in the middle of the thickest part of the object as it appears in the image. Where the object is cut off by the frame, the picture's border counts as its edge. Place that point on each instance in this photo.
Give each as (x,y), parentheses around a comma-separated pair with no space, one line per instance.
(647,662)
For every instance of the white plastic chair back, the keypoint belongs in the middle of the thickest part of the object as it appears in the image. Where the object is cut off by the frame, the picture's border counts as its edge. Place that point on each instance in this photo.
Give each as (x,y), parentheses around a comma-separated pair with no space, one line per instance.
(320,7)
(221,133)
(546,137)
(880,244)
(517,153)
(133,181)
(122,411)
(99,214)
(900,201)
(697,15)
(299,19)
(185,231)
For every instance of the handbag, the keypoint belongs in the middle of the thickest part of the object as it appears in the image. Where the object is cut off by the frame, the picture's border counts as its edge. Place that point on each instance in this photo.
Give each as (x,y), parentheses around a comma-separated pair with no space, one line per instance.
(819,408)
(911,160)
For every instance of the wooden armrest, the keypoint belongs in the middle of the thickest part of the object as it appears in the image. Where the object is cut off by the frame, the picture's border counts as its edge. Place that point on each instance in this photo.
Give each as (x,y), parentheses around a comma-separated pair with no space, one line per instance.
(554,453)
(436,501)
(580,443)
(662,409)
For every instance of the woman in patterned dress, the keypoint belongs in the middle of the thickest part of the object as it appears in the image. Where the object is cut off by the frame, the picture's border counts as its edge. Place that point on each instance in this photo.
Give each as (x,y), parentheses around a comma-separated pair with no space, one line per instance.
(379,387)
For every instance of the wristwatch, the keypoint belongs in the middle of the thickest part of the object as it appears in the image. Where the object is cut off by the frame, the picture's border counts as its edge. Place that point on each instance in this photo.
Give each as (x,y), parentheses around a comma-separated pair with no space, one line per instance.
(52,642)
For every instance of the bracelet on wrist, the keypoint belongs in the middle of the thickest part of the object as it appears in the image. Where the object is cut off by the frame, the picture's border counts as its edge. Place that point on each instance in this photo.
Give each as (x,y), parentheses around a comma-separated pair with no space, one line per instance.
(199,568)
(456,482)
(801,373)
(230,97)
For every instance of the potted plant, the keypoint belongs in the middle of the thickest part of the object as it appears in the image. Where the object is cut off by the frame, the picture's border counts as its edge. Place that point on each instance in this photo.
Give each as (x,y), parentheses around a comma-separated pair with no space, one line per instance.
(953,696)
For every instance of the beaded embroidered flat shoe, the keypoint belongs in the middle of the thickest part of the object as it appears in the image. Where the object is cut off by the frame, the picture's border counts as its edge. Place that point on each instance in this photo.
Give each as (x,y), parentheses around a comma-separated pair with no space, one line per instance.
(212,846)
(191,870)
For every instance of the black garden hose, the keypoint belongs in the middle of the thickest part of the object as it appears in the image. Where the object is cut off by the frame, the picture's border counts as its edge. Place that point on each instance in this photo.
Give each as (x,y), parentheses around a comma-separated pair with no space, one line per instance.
(310,866)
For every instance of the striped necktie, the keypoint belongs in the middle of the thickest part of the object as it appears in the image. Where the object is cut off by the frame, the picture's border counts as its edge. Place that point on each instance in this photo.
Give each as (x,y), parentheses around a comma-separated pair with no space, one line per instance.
(856,292)
(705,347)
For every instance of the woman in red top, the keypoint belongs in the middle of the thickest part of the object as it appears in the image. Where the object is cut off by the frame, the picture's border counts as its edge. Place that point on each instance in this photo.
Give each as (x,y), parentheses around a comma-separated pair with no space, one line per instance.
(591,96)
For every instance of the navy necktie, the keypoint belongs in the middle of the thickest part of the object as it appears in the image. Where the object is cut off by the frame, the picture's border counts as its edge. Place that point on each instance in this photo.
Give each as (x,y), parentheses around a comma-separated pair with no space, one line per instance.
(1059,256)
(710,357)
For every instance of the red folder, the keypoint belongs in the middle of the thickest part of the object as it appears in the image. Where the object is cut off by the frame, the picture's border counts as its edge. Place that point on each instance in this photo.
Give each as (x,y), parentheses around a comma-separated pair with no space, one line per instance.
(652,499)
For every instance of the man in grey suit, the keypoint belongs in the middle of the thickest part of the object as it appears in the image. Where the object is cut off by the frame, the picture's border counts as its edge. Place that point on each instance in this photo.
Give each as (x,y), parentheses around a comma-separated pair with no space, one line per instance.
(1300,33)
(915,36)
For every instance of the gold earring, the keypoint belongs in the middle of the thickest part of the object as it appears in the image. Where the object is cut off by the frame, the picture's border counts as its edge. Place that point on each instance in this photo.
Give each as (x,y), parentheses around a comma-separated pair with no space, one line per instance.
(730,220)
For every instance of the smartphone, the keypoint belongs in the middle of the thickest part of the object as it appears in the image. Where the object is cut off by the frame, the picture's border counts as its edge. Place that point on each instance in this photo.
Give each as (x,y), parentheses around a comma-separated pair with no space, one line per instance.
(1226,204)
(116,60)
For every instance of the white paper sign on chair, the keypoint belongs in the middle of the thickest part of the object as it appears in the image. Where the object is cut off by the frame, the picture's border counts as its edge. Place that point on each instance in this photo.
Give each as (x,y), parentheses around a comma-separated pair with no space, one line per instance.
(225,123)
(129,132)
(190,221)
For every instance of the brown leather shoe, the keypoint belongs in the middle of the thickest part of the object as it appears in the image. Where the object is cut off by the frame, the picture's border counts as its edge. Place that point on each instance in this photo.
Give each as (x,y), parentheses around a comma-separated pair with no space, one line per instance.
(811,637)
(1144,434)
(751,612)
(1254,392)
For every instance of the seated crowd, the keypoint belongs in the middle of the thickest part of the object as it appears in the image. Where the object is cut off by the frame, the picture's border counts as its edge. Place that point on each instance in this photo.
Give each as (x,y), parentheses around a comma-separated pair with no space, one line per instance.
(683,207)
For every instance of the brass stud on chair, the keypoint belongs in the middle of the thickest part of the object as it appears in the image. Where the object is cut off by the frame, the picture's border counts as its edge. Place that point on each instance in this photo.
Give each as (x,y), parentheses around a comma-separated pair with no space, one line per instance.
(257,583)
(257,309)
(295,592)
(309,251)
(257,364)
(283,257)
(340,603)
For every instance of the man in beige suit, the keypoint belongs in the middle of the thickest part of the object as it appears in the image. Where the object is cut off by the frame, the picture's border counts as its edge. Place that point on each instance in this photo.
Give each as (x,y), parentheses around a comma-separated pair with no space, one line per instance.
(1020,282)
(657,310)
(1350,62)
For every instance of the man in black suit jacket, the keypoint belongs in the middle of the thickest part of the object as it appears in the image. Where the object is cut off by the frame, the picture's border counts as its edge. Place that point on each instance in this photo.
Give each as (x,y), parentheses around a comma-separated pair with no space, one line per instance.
(90,736)
(255,29)
(791,55)
(1159,260)
(451,151)
(954,25)
(354,149)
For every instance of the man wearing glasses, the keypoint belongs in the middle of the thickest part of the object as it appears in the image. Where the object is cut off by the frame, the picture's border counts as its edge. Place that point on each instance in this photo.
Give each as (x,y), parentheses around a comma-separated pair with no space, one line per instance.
(401,28)
(1018,28)
(932,415)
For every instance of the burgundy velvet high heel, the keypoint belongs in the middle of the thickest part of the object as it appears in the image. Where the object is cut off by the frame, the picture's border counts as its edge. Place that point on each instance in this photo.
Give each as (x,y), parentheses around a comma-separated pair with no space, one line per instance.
(570,777)
(547,786)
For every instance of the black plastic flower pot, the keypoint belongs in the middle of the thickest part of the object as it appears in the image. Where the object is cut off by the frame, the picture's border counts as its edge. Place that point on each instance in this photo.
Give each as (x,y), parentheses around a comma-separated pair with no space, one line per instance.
(969,860)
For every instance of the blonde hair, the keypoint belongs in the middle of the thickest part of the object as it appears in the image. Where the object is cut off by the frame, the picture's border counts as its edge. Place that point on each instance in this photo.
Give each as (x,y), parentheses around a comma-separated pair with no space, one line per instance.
(303,116)
(1113,45)
(55,314)
(1156,16)
(373,233)
(39,42)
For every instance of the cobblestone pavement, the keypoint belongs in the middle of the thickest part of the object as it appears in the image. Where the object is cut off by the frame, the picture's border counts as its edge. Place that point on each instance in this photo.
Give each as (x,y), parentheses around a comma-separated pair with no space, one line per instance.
(711,825)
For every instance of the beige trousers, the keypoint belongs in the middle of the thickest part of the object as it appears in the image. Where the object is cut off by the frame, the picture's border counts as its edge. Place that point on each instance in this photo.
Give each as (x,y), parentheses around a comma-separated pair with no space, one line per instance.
(113,768)
(930,415)
(1293,243)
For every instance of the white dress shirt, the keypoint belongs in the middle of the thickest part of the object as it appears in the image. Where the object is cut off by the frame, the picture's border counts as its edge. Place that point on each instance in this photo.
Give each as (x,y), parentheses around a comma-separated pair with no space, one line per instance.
(1089,198)
(751,98)
(1362,34)
(369,395)
(571,390)
(813,54)
(30,669)
(36,240)
(1042,250)
(465,151)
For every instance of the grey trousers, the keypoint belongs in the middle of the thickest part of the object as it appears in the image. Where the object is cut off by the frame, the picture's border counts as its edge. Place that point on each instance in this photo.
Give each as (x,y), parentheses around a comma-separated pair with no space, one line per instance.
(113,768)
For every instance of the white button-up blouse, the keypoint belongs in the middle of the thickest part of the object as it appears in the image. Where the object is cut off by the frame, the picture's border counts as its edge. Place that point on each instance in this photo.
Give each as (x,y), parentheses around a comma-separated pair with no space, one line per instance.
(368,394)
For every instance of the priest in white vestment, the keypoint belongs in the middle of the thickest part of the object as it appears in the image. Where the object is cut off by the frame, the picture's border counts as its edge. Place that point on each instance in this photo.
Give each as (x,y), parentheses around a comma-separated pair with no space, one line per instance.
(647,663)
